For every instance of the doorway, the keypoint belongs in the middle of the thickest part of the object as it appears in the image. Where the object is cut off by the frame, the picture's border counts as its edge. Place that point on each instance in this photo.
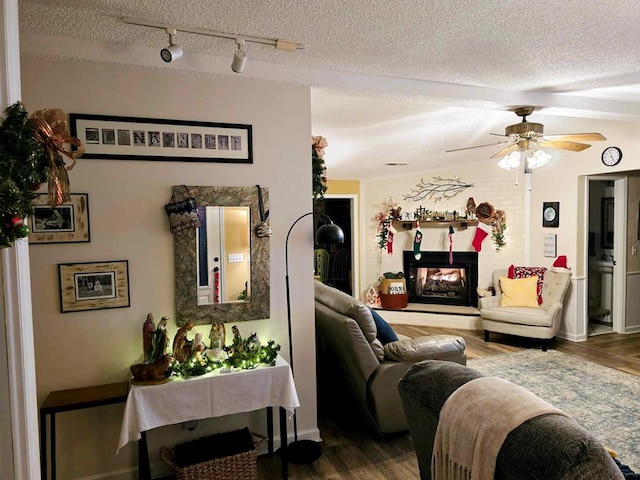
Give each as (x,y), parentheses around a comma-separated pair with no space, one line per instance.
(342,270)
(606,255)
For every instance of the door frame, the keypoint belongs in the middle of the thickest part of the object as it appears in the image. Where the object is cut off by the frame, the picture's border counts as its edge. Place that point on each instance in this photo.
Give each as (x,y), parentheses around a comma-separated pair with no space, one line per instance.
(355,236)
(619,298)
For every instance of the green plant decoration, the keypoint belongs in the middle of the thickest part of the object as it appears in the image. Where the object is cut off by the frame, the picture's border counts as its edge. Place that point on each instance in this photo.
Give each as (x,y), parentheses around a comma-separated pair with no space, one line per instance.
(318,168)
(23,167)
(31,152)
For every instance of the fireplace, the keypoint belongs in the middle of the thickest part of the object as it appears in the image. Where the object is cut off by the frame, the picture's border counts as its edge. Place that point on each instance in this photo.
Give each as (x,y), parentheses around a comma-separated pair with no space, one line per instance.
(433,280)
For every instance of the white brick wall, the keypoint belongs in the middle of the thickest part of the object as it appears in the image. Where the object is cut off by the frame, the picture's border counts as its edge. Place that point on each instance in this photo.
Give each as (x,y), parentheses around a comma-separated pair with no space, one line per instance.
(491,184)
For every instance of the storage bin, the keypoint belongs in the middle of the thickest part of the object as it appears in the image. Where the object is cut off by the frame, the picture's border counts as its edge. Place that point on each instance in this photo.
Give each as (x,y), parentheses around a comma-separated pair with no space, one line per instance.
(394,302)
(235,466)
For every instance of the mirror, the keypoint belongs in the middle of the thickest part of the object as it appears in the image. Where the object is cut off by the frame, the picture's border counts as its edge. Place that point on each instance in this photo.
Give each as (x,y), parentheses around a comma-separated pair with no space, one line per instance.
(606,228)
(190,261)
(223,254)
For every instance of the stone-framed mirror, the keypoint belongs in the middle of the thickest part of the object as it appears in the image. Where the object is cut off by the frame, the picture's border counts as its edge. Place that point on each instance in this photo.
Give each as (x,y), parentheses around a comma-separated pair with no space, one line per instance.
(205,260)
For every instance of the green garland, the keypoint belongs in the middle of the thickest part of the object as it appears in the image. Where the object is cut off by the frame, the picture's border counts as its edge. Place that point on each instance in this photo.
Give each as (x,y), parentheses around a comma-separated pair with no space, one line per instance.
(23,167)
(319,171)
(245,357)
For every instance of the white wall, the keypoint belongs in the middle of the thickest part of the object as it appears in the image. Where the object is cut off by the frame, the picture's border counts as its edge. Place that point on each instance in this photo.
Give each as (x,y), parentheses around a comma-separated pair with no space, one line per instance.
(490,184)
(128,222)
(561,181)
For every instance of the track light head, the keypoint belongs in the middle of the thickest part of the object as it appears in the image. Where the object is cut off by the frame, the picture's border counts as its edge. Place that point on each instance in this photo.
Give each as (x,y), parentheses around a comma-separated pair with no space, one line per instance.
(239,58)
(173,51)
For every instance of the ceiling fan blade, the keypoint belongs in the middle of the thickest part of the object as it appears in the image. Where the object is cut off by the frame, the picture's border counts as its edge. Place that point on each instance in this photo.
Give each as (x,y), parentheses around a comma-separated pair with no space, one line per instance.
(576,137)
(506,151)
(564,145)
(478,146)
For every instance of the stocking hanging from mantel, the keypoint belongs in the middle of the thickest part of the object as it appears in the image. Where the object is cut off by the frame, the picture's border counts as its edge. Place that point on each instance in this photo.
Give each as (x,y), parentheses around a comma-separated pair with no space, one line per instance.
(451,232)
(390,232)
(416,242)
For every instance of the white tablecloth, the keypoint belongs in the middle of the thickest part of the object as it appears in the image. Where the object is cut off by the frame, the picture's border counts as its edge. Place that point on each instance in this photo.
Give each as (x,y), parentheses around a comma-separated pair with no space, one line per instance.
(212,395)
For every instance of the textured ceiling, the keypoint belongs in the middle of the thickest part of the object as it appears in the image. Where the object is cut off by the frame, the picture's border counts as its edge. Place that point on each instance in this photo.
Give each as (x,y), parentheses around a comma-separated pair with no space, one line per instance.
(398,81)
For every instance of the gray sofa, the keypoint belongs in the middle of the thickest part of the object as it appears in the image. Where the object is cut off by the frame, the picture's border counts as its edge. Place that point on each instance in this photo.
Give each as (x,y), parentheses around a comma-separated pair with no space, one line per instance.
(551,447)
(356,373)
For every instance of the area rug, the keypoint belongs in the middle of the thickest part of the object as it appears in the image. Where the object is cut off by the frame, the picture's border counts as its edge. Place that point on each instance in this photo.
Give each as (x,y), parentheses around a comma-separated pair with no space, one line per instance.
(603,400)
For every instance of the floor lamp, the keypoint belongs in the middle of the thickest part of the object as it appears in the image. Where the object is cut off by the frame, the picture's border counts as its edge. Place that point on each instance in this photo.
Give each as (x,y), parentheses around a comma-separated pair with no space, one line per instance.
(306,451)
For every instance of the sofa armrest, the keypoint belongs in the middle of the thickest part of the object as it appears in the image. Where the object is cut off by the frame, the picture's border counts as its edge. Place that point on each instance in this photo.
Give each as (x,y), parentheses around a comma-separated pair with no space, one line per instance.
(489,302)
(427,347)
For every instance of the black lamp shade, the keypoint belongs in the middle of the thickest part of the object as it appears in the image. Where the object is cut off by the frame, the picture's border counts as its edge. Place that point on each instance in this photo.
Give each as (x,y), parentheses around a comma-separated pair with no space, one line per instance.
(329,233)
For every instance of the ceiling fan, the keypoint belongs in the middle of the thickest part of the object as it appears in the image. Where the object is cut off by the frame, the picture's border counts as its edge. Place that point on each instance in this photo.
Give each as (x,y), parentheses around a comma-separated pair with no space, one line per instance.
(525,135)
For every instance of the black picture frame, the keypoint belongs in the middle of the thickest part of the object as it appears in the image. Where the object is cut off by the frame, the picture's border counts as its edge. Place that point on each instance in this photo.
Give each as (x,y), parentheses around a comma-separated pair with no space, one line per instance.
(552,221)
(136,138)
(606,225)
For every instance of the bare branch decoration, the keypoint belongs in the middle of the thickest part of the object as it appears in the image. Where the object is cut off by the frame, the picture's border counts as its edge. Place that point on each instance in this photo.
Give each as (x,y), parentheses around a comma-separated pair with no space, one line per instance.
(438,189)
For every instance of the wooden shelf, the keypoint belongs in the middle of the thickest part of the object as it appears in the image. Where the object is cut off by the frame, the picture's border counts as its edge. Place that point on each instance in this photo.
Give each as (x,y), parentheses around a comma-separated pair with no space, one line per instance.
(410,224)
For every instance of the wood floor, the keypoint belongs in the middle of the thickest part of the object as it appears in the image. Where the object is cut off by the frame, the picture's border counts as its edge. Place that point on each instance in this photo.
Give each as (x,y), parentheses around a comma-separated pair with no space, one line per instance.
(349,452)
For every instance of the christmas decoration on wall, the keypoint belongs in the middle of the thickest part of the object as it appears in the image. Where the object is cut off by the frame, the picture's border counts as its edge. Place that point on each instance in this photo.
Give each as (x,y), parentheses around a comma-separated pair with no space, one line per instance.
(31,152)
(440,188)
(318,168)
(491,221)
(384,237)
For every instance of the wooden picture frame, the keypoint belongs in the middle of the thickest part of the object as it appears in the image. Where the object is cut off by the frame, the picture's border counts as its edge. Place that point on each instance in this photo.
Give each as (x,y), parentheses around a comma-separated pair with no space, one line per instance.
(67,223)
(94,285)
(136,138)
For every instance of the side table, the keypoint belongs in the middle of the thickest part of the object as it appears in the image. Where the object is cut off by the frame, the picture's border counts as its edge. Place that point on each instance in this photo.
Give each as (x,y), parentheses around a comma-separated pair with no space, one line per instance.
(69,400)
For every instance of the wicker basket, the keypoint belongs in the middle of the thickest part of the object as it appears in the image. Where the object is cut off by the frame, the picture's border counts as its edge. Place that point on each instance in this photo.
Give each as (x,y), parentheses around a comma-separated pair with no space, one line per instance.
(242,466)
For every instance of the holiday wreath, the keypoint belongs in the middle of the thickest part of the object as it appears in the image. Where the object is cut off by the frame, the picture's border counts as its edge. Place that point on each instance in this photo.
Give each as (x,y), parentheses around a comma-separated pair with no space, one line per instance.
(31,149)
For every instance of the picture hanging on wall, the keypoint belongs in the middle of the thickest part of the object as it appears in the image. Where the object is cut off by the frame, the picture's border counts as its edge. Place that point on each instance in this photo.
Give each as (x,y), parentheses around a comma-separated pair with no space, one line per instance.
(94,285)
(67,223)
(134,138)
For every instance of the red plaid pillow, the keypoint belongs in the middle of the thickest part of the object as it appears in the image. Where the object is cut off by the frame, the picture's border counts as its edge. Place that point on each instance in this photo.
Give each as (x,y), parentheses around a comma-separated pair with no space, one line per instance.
(523,272)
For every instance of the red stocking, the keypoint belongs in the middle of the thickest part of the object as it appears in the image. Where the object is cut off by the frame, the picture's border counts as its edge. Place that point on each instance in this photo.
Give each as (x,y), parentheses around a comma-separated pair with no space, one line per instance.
(481,233)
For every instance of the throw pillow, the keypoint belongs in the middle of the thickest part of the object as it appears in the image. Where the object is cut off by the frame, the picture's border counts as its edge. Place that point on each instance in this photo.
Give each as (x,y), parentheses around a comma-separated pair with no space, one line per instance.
(519,292)
(524,272)
(385,332)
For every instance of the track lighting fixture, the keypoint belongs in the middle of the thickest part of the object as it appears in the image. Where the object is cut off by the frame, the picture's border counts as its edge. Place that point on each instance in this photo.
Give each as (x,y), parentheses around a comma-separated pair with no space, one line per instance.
(173,51)
(240,57)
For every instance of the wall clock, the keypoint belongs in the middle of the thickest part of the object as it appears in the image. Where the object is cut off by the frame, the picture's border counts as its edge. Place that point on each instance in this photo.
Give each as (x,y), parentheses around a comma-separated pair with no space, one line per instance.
(551,214)
(611,156)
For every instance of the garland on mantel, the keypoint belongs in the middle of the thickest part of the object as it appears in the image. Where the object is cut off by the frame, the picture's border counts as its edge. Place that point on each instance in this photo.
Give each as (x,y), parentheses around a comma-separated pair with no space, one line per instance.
(31,149)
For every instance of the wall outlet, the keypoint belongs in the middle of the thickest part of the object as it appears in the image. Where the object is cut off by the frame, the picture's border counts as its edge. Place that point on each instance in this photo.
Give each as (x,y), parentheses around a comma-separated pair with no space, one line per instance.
(236,258)
(634,249)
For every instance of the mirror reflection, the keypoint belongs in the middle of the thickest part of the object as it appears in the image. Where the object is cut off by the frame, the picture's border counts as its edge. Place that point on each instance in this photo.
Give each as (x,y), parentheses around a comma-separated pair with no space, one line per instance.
(223,249)
(241,291)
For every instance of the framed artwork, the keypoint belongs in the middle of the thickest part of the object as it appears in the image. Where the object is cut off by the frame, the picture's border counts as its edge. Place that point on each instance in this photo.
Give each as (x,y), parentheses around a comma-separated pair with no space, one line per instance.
(134,138)
(67,223)
(550,245)
(551,214)
(94,285)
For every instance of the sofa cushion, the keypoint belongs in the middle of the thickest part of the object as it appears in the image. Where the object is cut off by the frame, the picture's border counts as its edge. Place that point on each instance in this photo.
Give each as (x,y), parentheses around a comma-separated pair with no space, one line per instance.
(426,347)
(536,317)
(385,332)
(523,272)
(519,292)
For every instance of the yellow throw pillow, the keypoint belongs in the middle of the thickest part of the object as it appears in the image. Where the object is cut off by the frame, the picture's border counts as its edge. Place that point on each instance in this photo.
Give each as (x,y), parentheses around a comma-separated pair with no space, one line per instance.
(519,292)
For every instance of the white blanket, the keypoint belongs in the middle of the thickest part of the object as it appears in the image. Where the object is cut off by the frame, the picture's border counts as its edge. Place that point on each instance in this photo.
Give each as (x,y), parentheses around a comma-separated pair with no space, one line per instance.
(212,395)
(473,424)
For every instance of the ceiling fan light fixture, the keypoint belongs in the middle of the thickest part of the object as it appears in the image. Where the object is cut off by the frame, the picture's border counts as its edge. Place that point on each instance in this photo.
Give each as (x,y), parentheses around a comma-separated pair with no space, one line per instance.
(539,159)
(511,161)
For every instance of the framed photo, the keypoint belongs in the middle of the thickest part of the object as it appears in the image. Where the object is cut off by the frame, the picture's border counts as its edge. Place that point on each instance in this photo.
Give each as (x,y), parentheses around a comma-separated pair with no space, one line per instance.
(133,138)
(93,285)
(67,223)
(551,214)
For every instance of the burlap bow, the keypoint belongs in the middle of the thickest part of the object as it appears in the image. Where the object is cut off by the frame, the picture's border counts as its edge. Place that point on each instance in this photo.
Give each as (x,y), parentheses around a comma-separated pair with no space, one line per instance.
(318,144)
(50,129)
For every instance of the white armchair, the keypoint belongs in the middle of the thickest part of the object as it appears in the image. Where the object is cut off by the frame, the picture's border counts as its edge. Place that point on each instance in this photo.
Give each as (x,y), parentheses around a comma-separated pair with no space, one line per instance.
(542,322)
